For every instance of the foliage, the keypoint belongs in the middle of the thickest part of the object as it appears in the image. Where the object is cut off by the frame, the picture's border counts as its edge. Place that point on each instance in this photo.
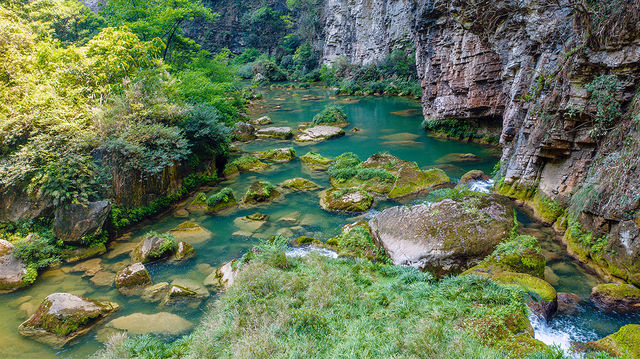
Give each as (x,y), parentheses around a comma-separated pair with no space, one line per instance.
(264,27)
(206,132)
(168,245)
(330,115)
(603,91)
(68,21)
(38,252)
(463,130)
(356,241)
(348,166)
(222,196)
(160,19)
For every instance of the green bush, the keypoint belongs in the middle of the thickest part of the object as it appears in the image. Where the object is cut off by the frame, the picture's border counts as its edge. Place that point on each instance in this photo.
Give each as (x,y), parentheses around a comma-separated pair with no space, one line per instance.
(603,90)
(206,133)
(222,196)
(37,251)
(330,115)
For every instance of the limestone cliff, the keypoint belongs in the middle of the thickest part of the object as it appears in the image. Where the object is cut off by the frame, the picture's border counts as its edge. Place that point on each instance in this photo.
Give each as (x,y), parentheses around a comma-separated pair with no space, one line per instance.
(529,63)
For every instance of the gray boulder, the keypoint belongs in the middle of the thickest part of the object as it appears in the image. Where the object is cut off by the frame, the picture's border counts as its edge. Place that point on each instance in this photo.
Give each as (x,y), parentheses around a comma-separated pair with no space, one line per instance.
(12,268)
(76,221)
(319,133)
(132,279)
(443,237)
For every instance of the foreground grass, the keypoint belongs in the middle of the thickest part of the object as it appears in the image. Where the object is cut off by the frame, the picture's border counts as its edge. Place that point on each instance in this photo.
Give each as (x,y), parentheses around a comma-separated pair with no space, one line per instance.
(318,307)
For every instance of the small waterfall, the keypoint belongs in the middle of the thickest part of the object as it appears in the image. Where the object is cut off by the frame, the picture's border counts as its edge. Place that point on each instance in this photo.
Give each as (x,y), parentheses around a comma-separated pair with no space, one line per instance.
(303,251)
(561,332)
(481,186)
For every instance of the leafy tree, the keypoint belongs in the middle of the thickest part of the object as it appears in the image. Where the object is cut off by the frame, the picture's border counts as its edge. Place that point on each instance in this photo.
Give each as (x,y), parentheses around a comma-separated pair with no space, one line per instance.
(265,27)
(69,21)
(160,19)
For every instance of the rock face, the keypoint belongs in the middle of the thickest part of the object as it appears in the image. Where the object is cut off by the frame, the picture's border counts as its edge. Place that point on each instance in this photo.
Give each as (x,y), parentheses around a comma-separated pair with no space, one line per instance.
(443,237)
(133,279)
(77,221)
(63,316)
(319,133)
(12,269)
(619,298)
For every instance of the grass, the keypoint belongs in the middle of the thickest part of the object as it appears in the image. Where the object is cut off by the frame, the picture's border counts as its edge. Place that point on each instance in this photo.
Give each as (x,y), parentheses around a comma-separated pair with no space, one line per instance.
(348,166)
(356,241)
(331,115)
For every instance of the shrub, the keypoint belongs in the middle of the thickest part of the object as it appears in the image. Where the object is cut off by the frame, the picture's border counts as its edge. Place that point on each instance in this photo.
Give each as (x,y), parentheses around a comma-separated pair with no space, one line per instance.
(330,115)
(37,251)
(206,133)
(222,196)
(603,90)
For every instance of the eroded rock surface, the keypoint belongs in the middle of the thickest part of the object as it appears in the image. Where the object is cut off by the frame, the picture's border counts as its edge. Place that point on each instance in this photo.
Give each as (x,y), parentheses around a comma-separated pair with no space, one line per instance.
(12,269)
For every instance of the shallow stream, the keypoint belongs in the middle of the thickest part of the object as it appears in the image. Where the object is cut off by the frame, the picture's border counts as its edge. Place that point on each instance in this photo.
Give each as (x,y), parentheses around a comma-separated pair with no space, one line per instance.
(390,124)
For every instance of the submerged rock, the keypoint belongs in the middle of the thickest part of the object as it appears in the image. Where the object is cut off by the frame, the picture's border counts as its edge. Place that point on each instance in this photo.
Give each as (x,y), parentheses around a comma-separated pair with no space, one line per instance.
(76,221)
(459,157)
(155,293)
(260,191)
(257,216)
(184,290)
(316,161)
(319,133)
(623,343)
(190,232)
(62,317)
(282,133)
(162,323)
(348,200)
(443,237)
(153,247)
(568,303)
(132,279)
(12,268)
(284,154)
(299,184)
(620,298)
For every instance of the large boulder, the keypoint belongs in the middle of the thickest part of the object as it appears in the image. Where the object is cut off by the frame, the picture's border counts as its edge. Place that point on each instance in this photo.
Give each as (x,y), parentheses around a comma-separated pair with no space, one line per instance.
(185,290)
(12,268)
(244,132)
(619,298)
(443,237)
(316,161)
(153,247)
(319,133)
(62,317)
(132,279)
(282,133)
(346,200)
(223,277)
(284,154)
(299,184)
(76,221)
(221,200)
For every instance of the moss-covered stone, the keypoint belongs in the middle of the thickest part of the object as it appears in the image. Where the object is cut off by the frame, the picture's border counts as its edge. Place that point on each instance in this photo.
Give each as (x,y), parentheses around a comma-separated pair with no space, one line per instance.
(347,200)
(521,254)
(257,217)
(132,279)
(153,247)
(281,133)
(316,161)
(544,208)
(184,251)
(12,269)
(260,191)
(299,184)
(284,154)
(187,226)
(199,200)
(543,297)
(623,343)
(413,180)
(221,200)
(71,255)
(62,317)
(302,240)
(613,297)
(248,163)
(356,241)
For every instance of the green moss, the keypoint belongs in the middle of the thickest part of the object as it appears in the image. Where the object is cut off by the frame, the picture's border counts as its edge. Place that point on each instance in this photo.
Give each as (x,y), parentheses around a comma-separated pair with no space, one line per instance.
(515,190)
(199,200)
(260,191)
(230,170)
(331,115)
(316,161)
(619,291)
(520,254)
(546,209)
(537,288)
(167,246)
(624,342)
(249,163)
(300,184)
(302,240)
(347,199)
(71,255)
(220,200)
(277,155)
(186,226)
(356,241)
(412,180)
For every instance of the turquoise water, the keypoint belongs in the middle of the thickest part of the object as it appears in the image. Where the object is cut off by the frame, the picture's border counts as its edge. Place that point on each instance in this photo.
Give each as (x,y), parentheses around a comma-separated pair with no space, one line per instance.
(386,124)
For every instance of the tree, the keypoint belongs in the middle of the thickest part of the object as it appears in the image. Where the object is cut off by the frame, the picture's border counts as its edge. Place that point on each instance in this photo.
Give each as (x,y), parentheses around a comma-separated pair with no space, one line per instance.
(265,27)
(160,19)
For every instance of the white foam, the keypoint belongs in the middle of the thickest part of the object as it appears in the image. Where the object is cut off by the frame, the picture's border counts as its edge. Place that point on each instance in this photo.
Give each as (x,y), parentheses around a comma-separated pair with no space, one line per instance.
(303,251)
(481,186)
(561,332)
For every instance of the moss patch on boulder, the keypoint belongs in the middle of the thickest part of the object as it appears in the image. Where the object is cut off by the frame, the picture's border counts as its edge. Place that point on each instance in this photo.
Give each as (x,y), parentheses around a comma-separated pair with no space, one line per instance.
(221,200)
(613,297)
(281,133)
(284,154)
(153,247)
(347,199)
(316,161)
(521,254)
(299,184)
(356,241)
(331,115)
(623,343)
(247,163)
(132,279)
(260,191)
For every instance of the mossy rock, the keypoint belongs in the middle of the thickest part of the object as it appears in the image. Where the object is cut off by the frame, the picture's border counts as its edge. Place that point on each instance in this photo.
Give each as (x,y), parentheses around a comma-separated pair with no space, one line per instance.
(284,154)
(70,255)
(331,115)
(221,200)
(521,254)
(412,180)
(199,200)
(299,184)
(319,133)
(248,163)
(12,269)
(153,247)
(258,217)
(281,133)
(132,279)
(472,176)
(346,200)
(230,170)
(543,297)
(187,226)
(623,343)
(62,317)
(302,240)
(613,297)
(377,185)
(184,251)
(357,241)
(260,191)
(316,161)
